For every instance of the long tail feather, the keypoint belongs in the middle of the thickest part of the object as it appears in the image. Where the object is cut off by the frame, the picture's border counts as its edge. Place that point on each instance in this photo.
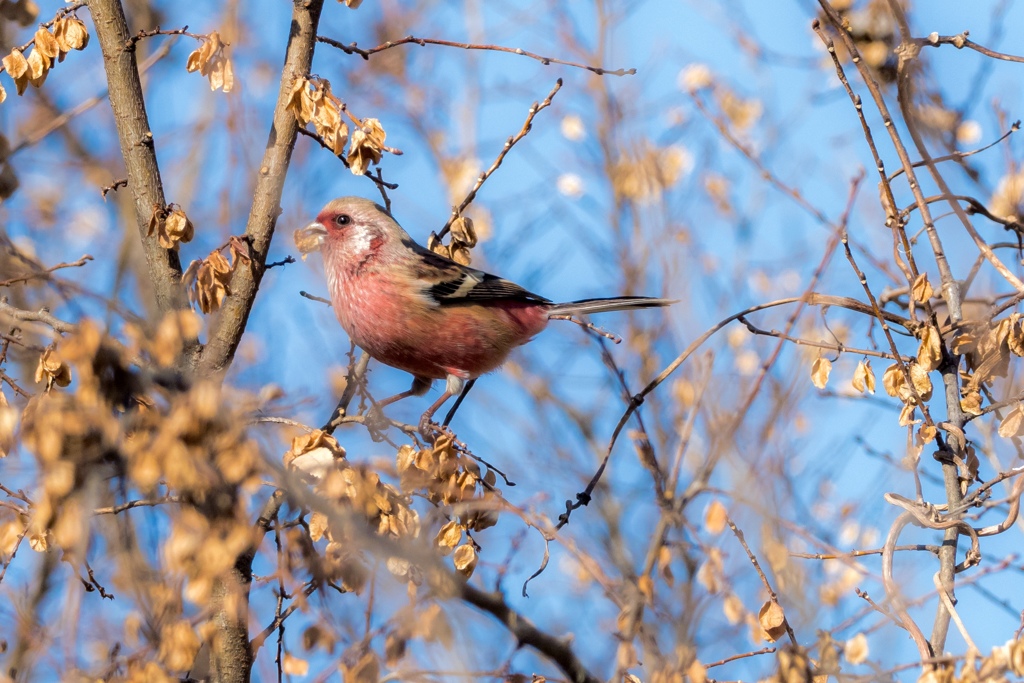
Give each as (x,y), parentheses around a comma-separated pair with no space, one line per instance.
(618,303)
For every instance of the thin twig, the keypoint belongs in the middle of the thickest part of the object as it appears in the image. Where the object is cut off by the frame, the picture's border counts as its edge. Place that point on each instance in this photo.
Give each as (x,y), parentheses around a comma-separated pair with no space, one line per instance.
(352,49)
(509,144)
(43,273)
(762,651)
(760,572)
(961,41)
(380,182)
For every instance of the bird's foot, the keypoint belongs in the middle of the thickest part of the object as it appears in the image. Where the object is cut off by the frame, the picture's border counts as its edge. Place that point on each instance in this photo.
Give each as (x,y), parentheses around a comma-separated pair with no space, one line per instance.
(376,422)
(430,430)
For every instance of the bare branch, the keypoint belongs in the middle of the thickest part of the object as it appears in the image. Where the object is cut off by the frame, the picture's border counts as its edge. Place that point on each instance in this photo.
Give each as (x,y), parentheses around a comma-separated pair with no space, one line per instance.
(266,207)
(352,49)
(137,148)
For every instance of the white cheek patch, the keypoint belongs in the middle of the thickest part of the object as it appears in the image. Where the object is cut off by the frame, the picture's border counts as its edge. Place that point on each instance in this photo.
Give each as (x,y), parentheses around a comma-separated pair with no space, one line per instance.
(359,240)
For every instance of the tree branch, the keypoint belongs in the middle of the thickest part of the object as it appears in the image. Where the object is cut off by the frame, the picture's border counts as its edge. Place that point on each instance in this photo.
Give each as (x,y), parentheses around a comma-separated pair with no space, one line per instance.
(556,649)
(137,148)
(266,207)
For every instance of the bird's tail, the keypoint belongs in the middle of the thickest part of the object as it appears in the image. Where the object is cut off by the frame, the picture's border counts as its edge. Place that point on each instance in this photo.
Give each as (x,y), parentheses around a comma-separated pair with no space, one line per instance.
(618,303)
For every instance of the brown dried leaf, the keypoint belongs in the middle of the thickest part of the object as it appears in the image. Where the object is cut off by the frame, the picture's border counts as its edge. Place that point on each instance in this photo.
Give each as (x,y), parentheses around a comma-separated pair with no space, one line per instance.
(1013,423)
(297,100)
(794,666)
(71,34)
(921,289)
(448,537)
(856,649)
(307,241)
(210,60)
(922,382)
(46,45)
(174,330)
(971,403)
(967,470)
(24,12)
(462,230)
(864,377)
(18,68)
(352,4)
(294,666)
(625,656)
(394,648)
(38,68)
(241,252)
(696,672)
(964,342)
(465,559)
(228,76)
(1015,338)
(733,609)
(178,645)
(8,425)
(929,353)
(442,249)
(367,146)
(645,584)
(907,415)
(317,526)
(715,517)
(207,52)
(194,61)
(432,626)
(176,228)
(15,64)
(53,369)
(461,255)
(329,125)
(366,670)
(712,573)
(1015,660)
(39,541)
(665,565)
(212,279)
(772,620)
(820,370)
(926,434)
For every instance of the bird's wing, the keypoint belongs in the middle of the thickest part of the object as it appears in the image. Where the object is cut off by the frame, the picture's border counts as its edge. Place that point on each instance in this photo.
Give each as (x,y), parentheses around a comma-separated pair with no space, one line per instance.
(449,283)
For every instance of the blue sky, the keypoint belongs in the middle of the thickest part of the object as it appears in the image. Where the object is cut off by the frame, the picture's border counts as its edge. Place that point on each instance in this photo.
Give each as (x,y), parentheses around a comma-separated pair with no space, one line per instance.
(565,247)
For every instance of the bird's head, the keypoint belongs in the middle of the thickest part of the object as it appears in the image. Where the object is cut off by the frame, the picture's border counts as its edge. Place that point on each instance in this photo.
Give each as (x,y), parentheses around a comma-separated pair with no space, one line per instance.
(351,225)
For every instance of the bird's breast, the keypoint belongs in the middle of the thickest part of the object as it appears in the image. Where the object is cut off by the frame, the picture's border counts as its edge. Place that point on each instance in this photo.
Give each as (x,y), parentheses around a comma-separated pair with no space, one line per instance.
(403,328)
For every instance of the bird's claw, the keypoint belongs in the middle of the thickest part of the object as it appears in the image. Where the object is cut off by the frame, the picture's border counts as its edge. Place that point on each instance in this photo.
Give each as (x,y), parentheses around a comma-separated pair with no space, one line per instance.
(430,430)
(376,422)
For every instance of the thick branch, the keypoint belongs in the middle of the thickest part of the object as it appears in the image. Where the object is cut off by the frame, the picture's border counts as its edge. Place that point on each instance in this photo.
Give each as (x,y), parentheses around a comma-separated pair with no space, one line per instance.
(137,147)
(266,206)
(556,649)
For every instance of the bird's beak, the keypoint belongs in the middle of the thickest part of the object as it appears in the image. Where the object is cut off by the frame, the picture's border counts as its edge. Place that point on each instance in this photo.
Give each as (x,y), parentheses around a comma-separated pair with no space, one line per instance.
(310,238)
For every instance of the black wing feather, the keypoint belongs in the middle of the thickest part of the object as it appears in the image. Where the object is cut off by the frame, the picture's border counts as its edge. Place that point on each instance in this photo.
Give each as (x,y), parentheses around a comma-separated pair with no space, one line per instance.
(469,285)
(485,287)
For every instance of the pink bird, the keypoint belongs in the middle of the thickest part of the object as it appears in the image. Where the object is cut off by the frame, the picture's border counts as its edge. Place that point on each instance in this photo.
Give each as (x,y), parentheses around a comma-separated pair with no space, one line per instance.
(420,312)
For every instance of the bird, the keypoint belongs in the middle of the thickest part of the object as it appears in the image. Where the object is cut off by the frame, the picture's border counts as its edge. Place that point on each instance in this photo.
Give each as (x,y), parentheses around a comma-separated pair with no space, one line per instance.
(423,313)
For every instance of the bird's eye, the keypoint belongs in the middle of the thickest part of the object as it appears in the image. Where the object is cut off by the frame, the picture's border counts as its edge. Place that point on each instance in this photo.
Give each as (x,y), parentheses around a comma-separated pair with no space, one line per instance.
(343,219)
